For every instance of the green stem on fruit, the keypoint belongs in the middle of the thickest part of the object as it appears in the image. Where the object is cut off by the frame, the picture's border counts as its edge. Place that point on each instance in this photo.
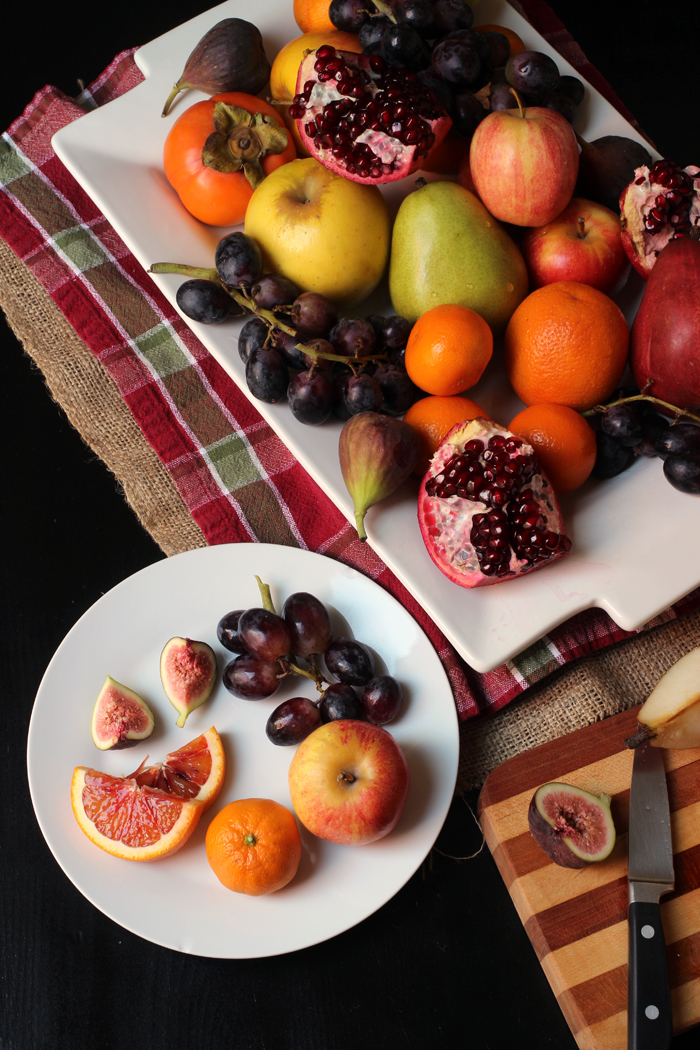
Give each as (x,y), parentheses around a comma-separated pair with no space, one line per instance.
(360,525)
(314,675)
(201,273)
(250,839)
(266,596)
(679,413)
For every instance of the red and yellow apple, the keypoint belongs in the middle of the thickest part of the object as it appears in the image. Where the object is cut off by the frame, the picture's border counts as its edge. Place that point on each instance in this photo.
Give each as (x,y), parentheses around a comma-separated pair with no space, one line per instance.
(582,244)
(324,232)
(349,782)
(524,163)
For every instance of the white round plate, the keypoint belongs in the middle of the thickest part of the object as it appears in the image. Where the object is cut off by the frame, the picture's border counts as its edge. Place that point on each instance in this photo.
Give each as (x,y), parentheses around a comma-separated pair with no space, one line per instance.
(177,901)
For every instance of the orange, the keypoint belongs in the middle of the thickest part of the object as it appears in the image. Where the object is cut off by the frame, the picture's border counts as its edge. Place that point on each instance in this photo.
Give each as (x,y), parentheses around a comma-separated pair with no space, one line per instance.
(253,846)
(448,349)
(566,343)
(433,418)
(310,15)
(516,44)
(196,771)
(563,440)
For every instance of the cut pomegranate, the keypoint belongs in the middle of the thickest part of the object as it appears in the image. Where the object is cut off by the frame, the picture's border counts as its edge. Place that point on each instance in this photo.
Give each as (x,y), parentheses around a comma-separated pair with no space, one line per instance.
(486,509)
(659,205)
(364,119)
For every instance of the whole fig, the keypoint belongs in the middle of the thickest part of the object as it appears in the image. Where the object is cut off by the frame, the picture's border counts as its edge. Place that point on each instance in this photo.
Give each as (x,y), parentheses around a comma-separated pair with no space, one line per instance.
(376,453)
(605,167)
(230,57)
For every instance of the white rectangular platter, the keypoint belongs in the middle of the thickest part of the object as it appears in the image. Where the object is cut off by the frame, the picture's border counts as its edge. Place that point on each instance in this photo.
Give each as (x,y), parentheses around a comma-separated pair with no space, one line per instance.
(634,551)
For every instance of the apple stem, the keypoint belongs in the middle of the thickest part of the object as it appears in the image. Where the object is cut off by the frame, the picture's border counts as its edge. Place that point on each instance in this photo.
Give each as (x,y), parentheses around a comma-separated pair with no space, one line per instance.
(680,413)
(346,776)
(581,227)
(517,99)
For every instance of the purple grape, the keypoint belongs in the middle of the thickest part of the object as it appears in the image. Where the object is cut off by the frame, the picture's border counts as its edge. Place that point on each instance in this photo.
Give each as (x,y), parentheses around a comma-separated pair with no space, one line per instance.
(453,14)
(286,346)
(313,315)
(238,260)
(395,331)
(419,14)
(340,384)
(205,301)
(292,721)
(350,15)
(403,47)
(456,61)
(227,632)
(267,375)
(264,634)
(398,391)
(349,661)
(252,337)
(499,48)
(560,103)
(340,701)
(321,364)
(683,472)
(679,439)
(251,678)
(623,423)
(371,33)
(611,458)
(572,87)
(381,699)
(467,114)
(273,290)
(308,623)
(353,337)
(310,397)
(362,394)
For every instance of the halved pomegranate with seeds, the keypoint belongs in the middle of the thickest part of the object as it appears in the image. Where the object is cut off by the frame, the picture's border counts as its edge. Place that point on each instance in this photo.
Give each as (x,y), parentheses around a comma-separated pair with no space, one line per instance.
(364,119)
(660,204)
(486,509)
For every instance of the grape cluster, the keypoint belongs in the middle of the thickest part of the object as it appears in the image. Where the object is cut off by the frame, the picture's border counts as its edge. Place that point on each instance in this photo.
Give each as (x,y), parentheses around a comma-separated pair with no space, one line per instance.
(435,39)
(295,347)
(268,647)
(633,427)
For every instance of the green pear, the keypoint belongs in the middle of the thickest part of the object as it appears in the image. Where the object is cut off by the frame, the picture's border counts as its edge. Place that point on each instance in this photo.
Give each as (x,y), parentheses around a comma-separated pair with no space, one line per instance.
(447,248)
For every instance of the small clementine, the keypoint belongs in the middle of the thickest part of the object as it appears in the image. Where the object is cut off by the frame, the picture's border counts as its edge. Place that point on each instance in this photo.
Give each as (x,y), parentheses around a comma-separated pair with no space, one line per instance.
(563,440)
(448,349)
(253,846)
(433,418)
(566,344)
(311,15)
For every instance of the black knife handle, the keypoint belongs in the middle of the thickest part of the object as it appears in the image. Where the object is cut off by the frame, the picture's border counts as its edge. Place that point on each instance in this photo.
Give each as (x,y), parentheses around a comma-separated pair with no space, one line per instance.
(649,1018)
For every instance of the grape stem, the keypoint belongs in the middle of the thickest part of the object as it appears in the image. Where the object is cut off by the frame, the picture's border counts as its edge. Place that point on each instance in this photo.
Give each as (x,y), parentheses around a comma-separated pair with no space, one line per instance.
(266,596)
(679,413)
(291,668)
(239,296)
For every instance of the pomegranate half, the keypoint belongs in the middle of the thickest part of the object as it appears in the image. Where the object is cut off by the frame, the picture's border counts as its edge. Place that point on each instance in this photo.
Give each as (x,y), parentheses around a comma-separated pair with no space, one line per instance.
(486,509)
(659,205)
(364,119)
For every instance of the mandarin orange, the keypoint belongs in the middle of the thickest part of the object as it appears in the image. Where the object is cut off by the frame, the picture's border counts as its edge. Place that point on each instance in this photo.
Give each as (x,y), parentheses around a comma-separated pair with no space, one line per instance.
(566,344)
(311,15)
(433,417)
(448,349)
(253,846)
(563,440)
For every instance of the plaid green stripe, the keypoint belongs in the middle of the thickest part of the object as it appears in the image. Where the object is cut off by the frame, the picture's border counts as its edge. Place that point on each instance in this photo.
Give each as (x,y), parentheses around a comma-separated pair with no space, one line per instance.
(262,509)
(47,209)
(233,464)
(536,662)
(12,166)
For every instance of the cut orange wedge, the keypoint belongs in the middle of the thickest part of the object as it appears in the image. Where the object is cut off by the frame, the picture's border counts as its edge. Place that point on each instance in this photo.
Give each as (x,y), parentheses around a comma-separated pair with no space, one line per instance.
(143,820)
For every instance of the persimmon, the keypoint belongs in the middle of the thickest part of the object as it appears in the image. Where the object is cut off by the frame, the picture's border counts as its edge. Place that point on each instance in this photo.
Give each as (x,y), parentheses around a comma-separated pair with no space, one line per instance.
(219,150)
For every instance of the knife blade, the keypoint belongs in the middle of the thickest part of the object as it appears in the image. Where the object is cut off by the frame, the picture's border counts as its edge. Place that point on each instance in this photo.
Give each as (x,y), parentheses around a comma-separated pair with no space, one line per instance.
(650,875)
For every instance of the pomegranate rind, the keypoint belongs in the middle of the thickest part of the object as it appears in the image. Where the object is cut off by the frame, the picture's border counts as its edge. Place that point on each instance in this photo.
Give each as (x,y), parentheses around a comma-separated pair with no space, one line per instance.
(636,201)
(437,516)
(324,93)
(194,772)
(101,801)
(120,717)
(574,827)
(188,673)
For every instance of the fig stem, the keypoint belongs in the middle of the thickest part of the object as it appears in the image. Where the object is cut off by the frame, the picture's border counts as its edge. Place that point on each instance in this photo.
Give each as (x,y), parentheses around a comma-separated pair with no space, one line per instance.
(678,412)
(266,596)
(171,98)
(360,524)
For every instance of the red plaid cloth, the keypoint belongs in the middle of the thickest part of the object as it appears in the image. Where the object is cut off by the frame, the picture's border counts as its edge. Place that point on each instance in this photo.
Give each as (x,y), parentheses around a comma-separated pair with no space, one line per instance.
(238,480)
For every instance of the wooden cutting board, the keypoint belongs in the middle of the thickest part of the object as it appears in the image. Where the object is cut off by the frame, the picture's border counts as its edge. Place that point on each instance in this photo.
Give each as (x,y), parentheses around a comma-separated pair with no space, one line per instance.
(576,918)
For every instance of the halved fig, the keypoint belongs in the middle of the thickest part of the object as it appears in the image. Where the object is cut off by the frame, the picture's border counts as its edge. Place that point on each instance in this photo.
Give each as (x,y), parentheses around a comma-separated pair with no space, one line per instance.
(670,717)
(188,673)
(572,826)
(120,717)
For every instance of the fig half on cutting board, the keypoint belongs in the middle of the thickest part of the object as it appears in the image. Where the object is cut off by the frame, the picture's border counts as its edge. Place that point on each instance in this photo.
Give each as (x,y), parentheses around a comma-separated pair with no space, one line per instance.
(572,826)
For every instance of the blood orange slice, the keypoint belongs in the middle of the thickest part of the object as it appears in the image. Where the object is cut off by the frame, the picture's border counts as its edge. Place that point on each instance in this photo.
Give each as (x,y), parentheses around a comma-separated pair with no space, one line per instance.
(194,773)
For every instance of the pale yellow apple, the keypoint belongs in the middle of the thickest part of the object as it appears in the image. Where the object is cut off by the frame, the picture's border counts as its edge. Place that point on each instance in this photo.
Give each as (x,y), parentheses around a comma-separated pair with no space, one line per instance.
(672,710)
(322,231)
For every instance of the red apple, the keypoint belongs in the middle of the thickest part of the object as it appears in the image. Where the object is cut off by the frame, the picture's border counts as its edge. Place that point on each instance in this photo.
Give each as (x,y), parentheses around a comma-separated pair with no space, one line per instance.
(582,244)
(349,781)
(524,164)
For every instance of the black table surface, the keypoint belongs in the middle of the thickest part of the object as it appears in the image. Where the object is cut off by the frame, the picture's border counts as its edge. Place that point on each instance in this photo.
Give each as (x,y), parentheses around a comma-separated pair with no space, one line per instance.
(446,960)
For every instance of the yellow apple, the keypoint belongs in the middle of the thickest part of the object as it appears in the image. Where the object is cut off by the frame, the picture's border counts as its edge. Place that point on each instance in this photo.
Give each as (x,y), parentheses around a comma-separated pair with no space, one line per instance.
(324,232)
(349,782)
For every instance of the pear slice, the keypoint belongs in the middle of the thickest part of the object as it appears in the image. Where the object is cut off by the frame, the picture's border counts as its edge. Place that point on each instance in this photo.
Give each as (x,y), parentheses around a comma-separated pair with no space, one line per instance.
(671,714)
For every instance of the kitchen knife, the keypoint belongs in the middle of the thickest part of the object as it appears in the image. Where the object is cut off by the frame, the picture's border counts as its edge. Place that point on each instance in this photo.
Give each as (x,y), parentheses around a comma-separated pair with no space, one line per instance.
(649,1019)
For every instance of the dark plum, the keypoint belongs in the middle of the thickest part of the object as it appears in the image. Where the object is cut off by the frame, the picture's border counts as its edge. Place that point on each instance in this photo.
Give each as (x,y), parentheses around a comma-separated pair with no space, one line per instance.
(353,337)
(532,72)
(560,103)
(251,678)
(308,623)
(362,394)
(398,391)
(381,700)
(264,634)
(501,97)
(286,345)
(350,15)
(310,396)
(205,301)
(683,472)
(573,87)
(623,423)
(681,439)
(313,314)
(456,61)
(340,701)
(479,41)
(252,336)
(452,14)
(273,290)
(349,661)
(292,721)
(227,632)
(238,260)
(267,376)
(467,114)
